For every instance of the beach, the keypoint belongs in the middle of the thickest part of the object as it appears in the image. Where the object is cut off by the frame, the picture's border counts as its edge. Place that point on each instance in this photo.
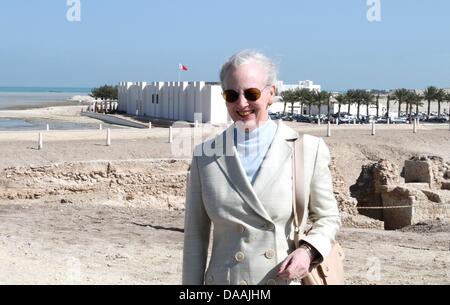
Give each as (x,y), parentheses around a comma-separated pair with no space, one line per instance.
(32,108)
(59,116)
(81,212)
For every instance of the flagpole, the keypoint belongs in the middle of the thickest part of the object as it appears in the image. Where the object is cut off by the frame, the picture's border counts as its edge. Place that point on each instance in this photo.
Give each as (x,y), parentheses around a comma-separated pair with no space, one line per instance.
(179,71)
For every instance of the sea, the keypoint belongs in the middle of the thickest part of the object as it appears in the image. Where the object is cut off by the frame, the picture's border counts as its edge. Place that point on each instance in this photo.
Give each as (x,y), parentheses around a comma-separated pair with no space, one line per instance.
(20,97)
(29,97)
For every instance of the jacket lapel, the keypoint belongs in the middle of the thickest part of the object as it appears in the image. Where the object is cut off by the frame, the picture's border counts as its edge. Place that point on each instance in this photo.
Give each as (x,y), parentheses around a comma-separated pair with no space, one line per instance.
(280,151)
(228,160)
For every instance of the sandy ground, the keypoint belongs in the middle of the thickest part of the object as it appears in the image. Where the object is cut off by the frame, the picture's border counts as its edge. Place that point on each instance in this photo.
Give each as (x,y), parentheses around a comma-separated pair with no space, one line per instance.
(60,113)
(90,225)
(92,243)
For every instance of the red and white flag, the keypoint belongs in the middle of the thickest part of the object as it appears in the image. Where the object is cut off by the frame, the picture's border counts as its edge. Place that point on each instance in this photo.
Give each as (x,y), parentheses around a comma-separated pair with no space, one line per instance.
(182,67)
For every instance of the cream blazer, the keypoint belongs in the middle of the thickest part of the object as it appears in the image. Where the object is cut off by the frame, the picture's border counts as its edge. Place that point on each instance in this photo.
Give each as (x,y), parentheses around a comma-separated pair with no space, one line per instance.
(252,224)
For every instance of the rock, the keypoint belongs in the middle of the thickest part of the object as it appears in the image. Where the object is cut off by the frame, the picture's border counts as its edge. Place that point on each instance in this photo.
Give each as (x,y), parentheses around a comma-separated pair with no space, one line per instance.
(360,221)
(346,204)
(445,185)
(418,171)
(432,195)
(385,175)
(405,206)
(374,180)
(419,186)
(438,196)
(447,174)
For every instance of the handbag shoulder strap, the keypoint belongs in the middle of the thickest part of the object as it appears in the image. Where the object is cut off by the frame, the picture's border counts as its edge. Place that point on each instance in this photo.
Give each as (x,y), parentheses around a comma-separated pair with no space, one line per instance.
(298,188)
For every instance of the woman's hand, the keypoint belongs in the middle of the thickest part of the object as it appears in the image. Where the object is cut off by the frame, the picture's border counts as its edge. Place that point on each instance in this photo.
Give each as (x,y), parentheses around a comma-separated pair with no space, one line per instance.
(296,265)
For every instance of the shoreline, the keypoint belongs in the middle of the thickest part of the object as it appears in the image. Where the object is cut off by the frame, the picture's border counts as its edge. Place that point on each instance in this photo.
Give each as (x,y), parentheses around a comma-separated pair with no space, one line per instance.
(58,114)
(45,105)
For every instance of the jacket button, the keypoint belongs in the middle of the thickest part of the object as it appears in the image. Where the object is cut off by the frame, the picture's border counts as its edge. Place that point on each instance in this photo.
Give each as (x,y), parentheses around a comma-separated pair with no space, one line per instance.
(243,283)
(271,282)
(239,257)
(241,228)
(270,254)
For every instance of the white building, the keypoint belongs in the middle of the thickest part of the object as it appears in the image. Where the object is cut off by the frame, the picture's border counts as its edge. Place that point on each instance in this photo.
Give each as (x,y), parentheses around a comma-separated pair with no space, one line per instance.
(304,84)
(177,101)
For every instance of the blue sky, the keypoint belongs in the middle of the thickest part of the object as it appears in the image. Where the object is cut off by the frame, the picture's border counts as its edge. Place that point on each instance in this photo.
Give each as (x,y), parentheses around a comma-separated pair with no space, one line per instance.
(330,42)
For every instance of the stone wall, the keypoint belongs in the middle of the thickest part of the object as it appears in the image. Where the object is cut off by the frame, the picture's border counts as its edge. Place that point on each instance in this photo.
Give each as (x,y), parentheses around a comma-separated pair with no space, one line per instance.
(422,195)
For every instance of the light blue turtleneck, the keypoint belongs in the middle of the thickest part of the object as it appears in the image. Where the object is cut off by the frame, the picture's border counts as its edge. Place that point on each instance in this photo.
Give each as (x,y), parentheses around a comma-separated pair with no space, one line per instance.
(253,146)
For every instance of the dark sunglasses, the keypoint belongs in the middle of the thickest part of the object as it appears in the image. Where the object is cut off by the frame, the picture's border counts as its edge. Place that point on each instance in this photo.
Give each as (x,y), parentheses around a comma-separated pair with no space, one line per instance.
(250,94)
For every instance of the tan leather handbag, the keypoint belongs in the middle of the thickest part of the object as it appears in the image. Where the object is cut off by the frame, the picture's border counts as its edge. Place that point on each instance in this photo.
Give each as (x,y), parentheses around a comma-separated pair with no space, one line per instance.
(331,270)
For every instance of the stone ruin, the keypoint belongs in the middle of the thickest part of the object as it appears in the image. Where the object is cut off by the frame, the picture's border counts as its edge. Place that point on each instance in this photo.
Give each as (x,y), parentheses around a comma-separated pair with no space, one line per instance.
(420,192)
(348,206)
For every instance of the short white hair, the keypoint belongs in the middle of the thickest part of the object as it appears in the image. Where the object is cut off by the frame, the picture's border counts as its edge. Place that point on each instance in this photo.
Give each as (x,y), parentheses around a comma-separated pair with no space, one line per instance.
(250,56)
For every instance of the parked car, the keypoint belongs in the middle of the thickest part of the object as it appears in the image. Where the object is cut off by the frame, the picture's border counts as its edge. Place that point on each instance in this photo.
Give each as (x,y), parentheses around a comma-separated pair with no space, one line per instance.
(303,118)
(287,117)
(275,116)
(368,119)
(436,119)
(346,119)
(399,120)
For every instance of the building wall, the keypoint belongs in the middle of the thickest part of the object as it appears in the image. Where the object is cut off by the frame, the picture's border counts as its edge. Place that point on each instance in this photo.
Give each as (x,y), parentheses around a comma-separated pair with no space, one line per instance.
(306,84)
(135,99)
(177,101)
(123,95)
(214,94)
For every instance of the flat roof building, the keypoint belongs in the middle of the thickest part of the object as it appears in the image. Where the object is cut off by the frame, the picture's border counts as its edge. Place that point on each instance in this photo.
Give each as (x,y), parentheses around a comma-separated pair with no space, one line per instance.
(177,101)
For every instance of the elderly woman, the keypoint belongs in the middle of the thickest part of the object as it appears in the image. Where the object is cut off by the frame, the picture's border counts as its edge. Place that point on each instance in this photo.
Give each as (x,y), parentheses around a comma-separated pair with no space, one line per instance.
(240,186)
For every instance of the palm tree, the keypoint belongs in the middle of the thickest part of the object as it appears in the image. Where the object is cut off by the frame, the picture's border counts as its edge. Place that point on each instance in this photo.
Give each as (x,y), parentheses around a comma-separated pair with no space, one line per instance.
(447,99)
(412,98)
(388,105)
(417,100)
(317,100)
(322,96)
(318,97)
(310,100)
(377,94)
(400,95)
(284,98)
(356,96)
(349,100)
(367,99)
(378,104)
(407,102)
(302,96)
(430,95)
(328,98)
(340,99)
(440,97)
(288,97)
